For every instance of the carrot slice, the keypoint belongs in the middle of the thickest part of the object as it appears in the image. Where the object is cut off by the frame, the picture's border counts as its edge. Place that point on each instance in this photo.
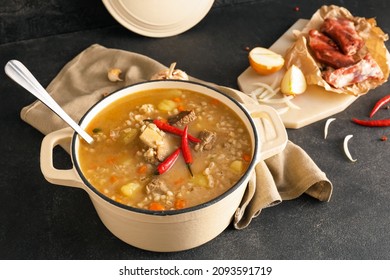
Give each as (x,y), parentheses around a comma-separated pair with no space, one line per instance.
(142,169)
(113,179)
(111,160)
(155,206)
(180,204)
(179,181)
(246,157)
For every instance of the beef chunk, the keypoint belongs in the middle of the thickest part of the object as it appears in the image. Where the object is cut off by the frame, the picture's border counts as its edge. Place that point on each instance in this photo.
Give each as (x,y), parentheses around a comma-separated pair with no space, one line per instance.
(164,149)
(156,186)
(367,68)
(152,136)
(150,155)
(326,51)
(182,118)
(207,138)
(159,145)
(343,31)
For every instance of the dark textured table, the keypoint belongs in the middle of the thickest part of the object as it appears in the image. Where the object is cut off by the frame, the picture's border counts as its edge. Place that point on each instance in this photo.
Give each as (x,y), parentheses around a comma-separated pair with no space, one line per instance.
(39,220)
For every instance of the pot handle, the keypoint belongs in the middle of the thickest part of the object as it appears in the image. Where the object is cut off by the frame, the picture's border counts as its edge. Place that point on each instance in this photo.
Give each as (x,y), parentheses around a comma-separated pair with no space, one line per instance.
(65,177)
(270,129)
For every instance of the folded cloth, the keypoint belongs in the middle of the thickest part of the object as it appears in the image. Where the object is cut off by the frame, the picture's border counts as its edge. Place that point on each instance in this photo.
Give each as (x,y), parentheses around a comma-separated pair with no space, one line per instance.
(83,82)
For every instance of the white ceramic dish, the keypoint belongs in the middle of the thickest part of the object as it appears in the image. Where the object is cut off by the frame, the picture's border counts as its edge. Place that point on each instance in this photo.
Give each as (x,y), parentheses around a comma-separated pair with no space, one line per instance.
(315,104)
(156,18)
(168,230)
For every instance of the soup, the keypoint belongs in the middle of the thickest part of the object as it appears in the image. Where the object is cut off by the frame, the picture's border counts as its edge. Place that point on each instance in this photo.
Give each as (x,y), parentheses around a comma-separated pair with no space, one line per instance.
(165,149)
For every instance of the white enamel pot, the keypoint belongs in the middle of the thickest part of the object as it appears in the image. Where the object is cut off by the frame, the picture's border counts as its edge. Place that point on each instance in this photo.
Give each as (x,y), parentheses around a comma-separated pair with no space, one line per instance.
(176,230)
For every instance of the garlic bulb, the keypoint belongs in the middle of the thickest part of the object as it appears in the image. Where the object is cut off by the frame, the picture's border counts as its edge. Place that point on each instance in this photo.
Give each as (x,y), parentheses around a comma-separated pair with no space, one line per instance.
(170,73)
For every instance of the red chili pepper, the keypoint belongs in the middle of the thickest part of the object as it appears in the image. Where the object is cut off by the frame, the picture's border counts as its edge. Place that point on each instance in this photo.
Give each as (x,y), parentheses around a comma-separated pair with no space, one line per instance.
(384,100)
(384,122)
(168,162)
(174,130)
(186,149)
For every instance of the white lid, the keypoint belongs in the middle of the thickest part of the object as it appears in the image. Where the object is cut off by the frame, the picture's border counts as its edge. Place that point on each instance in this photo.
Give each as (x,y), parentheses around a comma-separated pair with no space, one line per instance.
(158,18)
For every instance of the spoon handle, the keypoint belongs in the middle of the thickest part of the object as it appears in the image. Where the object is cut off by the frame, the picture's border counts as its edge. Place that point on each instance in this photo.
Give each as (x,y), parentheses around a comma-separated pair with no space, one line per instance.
(21,75)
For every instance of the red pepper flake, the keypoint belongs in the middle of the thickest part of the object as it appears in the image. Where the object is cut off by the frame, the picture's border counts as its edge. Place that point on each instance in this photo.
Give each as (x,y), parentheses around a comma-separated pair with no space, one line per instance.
(384,138)
(296,9)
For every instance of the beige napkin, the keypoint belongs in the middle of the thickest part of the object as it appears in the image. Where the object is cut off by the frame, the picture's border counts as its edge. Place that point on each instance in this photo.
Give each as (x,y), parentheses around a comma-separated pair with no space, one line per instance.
(83,82)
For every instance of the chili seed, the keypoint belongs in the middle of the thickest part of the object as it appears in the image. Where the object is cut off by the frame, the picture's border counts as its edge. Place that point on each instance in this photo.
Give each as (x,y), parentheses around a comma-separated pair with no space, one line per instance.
(384,138)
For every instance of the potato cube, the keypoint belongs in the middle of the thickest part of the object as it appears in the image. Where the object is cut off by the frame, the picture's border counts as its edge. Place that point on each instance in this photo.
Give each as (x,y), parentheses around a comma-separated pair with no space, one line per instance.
(167,105)
(237,166)
(130,188)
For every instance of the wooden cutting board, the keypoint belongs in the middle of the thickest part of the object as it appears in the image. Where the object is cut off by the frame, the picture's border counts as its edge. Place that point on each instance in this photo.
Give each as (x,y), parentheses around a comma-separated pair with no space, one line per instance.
(315,104)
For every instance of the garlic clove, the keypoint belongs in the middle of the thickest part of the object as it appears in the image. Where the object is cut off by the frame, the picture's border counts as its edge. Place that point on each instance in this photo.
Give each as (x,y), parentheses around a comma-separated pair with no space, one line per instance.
(113,74)
(170,73)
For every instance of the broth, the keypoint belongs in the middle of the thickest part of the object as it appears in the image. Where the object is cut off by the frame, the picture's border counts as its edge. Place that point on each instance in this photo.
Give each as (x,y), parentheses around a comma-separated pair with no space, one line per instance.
(123,161)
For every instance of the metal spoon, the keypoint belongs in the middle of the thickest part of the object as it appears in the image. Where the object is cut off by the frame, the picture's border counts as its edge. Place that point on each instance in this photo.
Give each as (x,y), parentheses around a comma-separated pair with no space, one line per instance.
(20,74)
